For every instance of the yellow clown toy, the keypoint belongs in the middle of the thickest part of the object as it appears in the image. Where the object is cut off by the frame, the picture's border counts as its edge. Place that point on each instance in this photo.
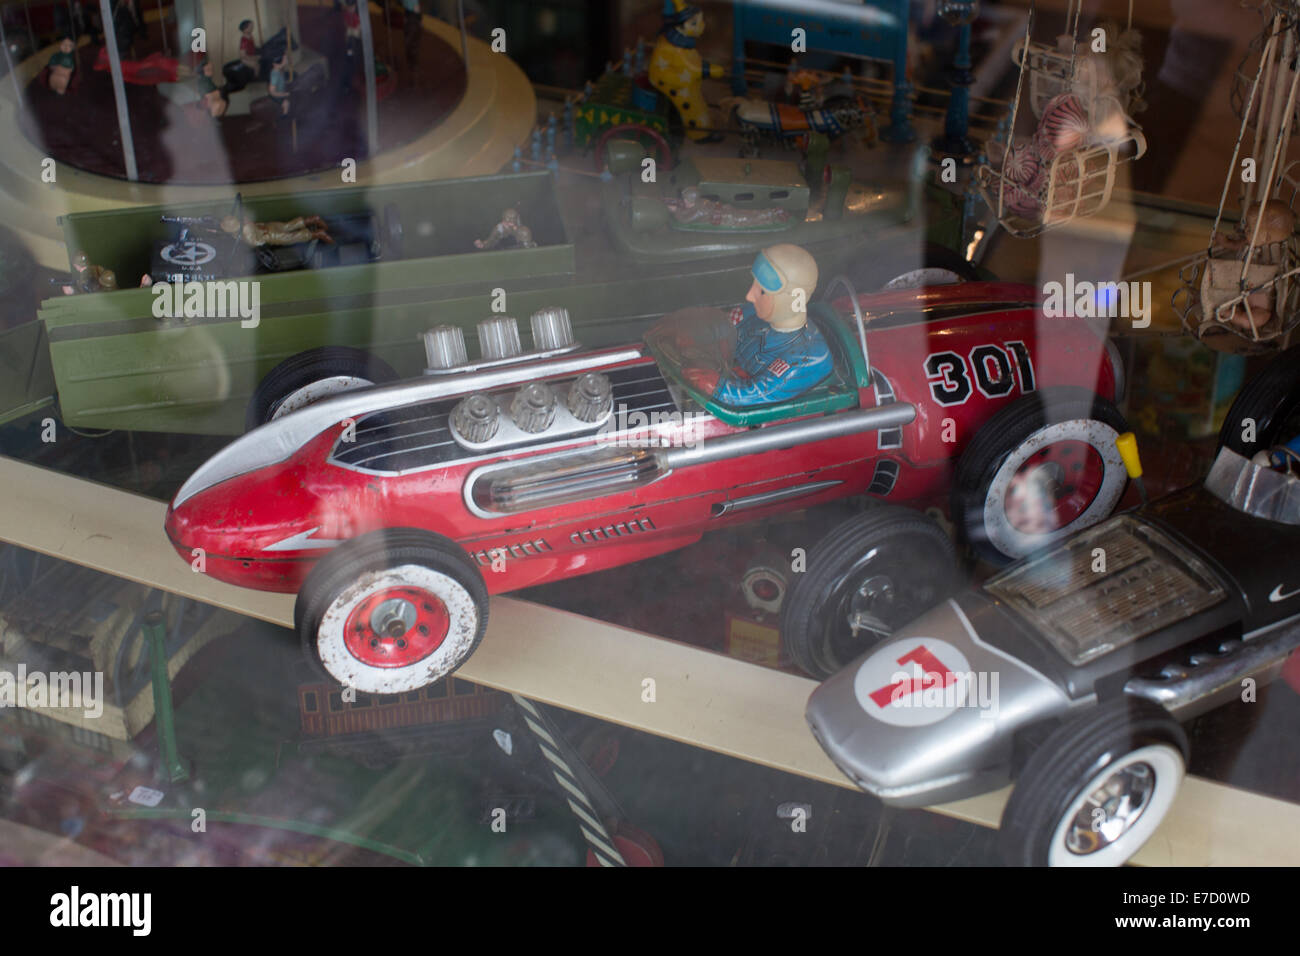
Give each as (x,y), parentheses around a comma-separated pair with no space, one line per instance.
(677,71)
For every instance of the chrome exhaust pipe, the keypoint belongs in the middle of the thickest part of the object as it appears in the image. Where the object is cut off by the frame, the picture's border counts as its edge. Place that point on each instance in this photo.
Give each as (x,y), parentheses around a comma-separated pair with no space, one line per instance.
(758,440)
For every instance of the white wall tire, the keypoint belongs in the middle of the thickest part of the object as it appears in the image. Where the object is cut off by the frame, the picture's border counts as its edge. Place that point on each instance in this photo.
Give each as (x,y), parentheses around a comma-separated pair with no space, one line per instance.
(1166,769)
(1062,811)
(1041,468)
(1041,524)
(359,670)
(392,611)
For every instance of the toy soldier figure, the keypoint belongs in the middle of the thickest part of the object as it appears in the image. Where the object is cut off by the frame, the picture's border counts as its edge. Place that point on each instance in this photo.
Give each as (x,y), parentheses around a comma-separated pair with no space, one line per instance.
(692,210)
(301,229)
(508,228)
(89,278)
(412,28)
(777,354)
(61,65)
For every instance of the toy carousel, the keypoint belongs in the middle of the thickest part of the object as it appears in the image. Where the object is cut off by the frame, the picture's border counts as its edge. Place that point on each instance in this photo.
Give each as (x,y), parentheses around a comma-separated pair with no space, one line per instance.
(1080,93)
(1240,296)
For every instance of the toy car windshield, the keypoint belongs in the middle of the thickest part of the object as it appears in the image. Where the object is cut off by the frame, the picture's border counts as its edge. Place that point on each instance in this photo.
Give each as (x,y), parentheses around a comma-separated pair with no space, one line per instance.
(1085,609)
(693,338)
(1257,490)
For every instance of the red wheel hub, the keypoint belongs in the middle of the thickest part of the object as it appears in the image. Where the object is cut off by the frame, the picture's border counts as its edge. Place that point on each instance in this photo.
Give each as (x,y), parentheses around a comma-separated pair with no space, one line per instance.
(396,627)
(1054,487)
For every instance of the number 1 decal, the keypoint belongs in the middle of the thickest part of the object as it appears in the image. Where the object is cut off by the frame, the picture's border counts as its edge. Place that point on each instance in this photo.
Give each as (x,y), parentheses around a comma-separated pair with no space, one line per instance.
(990,367)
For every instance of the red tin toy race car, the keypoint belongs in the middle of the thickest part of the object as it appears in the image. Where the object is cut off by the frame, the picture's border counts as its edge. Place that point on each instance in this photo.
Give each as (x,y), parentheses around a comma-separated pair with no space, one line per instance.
(395,511)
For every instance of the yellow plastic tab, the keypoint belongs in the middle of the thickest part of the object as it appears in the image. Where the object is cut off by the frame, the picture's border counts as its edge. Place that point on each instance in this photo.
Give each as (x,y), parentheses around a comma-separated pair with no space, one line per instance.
(1127,444)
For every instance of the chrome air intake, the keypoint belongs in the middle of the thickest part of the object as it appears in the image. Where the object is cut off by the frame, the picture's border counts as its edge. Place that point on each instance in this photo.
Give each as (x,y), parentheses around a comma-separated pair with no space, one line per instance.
(476,418)
(551,329)
(425,435)
(590,397)
(444,348)
(533,407)
(499,344)
(498,338)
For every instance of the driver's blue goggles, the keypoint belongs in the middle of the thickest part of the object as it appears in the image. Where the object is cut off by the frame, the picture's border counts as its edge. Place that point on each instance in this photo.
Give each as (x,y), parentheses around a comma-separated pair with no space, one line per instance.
(766,274)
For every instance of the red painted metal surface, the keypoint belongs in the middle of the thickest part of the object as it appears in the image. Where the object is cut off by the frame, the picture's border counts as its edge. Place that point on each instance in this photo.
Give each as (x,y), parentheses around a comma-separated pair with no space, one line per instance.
(372,644)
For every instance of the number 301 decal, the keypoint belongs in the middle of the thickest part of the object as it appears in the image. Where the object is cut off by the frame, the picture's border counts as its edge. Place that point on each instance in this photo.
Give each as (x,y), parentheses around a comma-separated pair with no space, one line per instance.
(989,366)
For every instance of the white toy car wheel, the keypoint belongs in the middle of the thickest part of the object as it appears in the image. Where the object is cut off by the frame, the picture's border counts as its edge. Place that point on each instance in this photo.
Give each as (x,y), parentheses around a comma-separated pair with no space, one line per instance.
(1043,467)
(1097,788)
(392,611)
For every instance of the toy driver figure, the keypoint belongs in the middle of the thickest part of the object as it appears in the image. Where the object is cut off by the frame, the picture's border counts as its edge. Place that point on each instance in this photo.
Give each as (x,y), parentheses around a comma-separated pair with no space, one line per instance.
(777,354)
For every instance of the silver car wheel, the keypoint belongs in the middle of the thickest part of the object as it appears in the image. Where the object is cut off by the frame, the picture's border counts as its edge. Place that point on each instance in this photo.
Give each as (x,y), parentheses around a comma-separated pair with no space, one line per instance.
(1118,808)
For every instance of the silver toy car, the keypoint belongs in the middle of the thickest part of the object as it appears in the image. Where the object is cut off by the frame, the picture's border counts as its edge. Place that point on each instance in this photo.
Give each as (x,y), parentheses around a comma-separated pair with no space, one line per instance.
(1070,670)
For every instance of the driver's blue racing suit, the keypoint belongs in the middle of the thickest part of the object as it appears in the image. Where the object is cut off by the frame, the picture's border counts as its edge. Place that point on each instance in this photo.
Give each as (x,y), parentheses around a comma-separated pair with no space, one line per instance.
(771,366)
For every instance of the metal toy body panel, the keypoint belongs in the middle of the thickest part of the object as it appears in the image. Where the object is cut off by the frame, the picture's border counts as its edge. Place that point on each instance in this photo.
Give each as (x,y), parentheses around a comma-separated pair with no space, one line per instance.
(910,750)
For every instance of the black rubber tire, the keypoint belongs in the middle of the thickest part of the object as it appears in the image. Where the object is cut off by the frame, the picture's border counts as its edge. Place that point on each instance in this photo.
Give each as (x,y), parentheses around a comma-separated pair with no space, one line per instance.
(373,552)
(1002,434)
(1272,399)
(814,625)
(302,369)
(1070,756)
